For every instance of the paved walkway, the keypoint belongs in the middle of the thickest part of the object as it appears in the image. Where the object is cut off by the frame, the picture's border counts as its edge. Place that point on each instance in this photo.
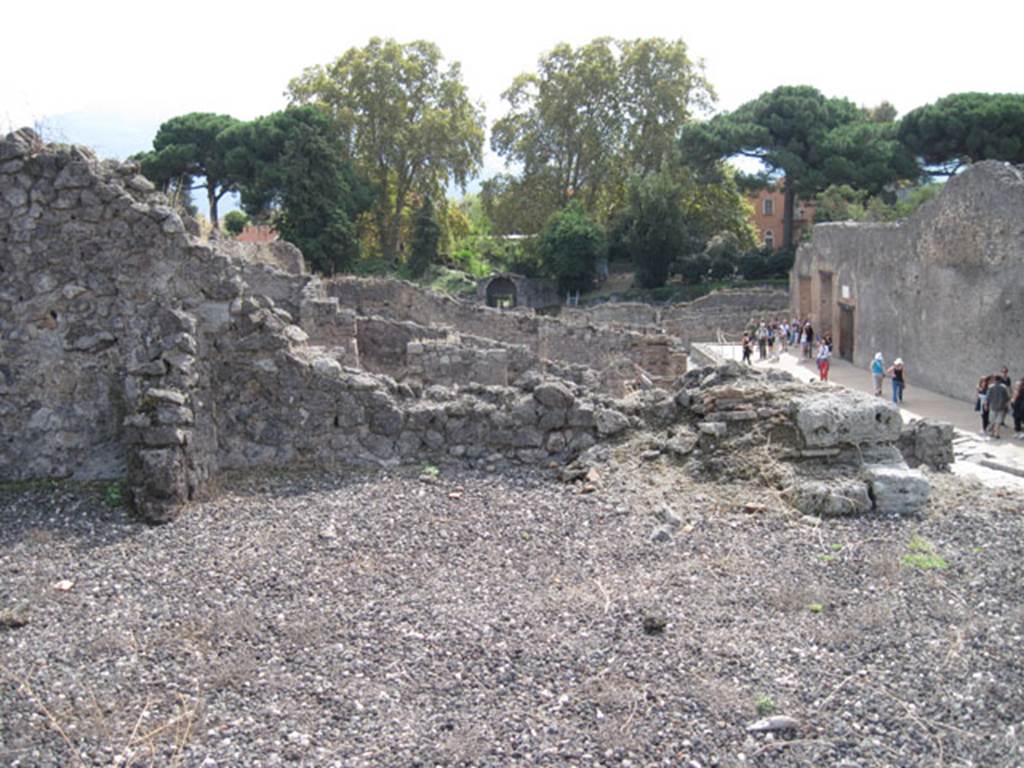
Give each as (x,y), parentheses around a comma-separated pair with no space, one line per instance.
(1005,454)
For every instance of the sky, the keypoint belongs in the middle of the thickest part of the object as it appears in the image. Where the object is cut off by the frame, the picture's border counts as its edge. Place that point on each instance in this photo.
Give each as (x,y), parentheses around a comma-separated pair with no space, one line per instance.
(107,73)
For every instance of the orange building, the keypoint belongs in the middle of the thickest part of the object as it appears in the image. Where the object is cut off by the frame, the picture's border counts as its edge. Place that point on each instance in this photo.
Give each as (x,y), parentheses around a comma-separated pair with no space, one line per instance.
(767,219)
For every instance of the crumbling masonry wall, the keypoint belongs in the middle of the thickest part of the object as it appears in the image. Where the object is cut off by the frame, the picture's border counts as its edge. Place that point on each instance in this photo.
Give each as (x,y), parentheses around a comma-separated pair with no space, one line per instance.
(130,349)
(943,289)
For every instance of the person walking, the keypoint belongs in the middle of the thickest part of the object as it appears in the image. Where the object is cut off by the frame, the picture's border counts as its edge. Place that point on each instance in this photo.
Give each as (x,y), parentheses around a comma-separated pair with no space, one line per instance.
(747,349)
(981,404)
(824,353)
(762,341)
(998,404)
(878,373)
(899,380)
(1017,404)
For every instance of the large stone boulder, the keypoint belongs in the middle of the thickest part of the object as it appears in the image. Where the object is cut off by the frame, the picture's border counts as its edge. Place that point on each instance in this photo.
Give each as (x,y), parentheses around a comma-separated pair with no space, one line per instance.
(897,489)
(842,418)
(929,443)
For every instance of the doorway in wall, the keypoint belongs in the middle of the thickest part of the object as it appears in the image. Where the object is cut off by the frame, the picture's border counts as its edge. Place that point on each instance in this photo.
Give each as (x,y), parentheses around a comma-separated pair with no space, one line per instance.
(825,303)
(501,292)
(846,332)
(804,305)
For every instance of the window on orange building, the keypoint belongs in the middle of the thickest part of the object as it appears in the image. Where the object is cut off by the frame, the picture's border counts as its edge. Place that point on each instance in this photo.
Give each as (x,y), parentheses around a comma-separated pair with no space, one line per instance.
(768,207)
(769,239)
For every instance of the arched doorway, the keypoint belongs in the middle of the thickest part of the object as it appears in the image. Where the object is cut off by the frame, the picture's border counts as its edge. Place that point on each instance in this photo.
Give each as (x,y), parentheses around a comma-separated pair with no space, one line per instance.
(501,292)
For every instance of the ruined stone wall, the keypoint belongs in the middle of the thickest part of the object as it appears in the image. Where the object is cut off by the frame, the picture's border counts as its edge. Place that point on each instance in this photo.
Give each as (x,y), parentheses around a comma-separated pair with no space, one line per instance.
(549,338)
(129,349)
(943,289)
(699,320)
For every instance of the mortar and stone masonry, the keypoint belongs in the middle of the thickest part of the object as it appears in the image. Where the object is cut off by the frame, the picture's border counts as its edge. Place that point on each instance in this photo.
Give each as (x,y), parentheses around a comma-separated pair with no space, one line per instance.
(128,348)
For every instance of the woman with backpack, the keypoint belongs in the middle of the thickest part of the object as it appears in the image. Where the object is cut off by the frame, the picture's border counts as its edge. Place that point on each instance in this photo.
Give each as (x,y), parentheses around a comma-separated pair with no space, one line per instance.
(878,373)
(899,380)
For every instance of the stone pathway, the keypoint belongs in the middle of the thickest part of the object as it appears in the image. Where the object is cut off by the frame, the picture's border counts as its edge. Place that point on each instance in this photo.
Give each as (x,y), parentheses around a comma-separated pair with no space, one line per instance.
(999,462)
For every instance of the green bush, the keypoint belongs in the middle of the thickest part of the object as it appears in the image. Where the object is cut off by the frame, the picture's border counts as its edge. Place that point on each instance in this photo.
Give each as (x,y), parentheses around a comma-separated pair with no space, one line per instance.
(569,247)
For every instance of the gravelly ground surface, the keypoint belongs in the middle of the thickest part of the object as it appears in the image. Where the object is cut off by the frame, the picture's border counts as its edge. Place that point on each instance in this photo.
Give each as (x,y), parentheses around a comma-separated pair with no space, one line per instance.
(498,619)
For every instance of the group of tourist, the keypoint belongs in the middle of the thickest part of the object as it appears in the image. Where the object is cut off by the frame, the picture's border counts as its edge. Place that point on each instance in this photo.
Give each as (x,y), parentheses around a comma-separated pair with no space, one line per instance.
(997,398)
(766,334)
(896,372)
(787,333)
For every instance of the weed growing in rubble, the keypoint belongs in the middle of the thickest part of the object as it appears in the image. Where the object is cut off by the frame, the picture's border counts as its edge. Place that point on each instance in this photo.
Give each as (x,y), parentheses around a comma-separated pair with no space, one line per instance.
(113,496)
(765,706)
(816,607)
(431,470)
(923,555)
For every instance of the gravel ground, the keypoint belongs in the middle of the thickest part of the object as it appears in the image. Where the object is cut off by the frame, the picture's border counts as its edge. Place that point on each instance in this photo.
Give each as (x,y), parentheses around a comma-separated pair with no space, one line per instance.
(505,618)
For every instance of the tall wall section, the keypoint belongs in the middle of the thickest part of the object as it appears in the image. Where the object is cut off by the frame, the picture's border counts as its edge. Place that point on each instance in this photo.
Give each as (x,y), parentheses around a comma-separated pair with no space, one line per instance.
(943,289)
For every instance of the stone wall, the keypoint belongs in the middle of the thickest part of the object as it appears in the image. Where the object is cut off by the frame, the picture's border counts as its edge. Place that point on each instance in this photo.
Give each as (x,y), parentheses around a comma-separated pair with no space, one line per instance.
(552,339)
(129,349)
(729,311)
(943,289)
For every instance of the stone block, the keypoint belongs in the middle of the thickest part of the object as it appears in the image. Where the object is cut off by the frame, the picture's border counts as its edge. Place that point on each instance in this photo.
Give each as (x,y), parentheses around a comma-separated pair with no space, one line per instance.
(610,422)
(928,443)
(831,419)
(554,394)
(830,498)
(897,489)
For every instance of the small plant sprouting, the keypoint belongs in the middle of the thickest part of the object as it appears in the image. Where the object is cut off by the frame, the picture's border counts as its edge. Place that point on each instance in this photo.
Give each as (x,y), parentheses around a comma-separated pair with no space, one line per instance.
(113,496)
(923,555)
(836,547)
(431,470)
(816,607)
(765,706)
(826,558)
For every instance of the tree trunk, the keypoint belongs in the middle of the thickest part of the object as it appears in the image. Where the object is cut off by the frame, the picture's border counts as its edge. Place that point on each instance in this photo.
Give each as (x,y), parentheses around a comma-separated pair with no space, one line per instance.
(211,198)
(787,216)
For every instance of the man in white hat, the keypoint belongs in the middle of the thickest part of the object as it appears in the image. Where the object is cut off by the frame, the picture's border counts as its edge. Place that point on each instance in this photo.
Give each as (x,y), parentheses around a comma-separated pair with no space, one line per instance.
(878,373)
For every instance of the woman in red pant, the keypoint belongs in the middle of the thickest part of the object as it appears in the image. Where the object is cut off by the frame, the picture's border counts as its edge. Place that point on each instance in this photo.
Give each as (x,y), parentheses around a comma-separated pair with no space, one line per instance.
(824,353)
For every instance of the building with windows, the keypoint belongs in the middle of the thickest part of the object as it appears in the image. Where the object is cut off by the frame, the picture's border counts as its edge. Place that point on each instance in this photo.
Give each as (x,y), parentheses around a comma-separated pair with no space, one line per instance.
(767,217)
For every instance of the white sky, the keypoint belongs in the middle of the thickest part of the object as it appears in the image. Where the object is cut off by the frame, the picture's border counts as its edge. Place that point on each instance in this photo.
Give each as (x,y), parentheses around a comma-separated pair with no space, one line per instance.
(140,62)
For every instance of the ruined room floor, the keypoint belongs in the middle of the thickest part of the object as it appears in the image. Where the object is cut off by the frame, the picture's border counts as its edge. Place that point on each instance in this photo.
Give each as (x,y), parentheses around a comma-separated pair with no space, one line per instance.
(372,619)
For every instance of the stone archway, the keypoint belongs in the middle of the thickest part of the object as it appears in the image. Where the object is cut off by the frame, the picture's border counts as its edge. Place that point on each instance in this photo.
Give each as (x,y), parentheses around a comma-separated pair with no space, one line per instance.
(501,292)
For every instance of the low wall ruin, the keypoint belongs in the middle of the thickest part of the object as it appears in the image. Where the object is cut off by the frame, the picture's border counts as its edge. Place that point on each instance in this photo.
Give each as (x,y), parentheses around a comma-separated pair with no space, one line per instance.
(129,349)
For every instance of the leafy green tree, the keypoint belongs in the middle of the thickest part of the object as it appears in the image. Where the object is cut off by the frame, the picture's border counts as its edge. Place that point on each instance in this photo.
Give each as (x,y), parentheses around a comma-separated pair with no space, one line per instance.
(569,246)
(190,147)
(590,117)
(964,128)
(291,168)
(425,237)
(518,206)
(404,118)
(693,268)
(235,221)
(653,229)
(811,139)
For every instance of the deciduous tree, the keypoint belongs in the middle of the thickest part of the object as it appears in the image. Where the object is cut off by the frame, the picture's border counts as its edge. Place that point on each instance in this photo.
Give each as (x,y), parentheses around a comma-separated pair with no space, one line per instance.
(569,247)
(405,119)
(590,117)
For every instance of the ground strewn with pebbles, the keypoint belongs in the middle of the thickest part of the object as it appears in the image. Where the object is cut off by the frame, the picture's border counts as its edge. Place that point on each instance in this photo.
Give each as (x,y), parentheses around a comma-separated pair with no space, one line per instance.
(376,619)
